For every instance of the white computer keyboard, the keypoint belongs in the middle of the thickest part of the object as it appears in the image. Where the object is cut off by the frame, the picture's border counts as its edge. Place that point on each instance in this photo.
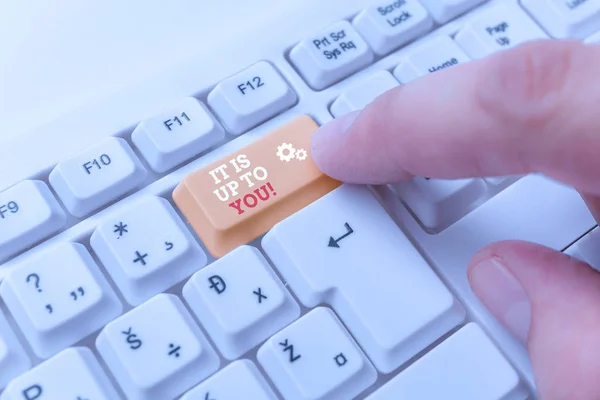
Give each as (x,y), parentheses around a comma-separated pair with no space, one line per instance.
(200,255)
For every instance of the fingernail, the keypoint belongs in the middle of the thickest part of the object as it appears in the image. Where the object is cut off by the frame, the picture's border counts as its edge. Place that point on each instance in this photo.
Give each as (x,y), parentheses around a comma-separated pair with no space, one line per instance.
(503,295)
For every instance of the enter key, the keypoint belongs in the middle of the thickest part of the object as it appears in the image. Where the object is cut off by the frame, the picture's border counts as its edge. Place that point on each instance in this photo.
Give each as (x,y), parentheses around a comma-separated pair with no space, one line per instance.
(238,198)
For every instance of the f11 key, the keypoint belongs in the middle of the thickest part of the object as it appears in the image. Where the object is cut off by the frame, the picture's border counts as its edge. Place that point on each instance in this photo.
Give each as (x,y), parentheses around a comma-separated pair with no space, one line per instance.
(236,199)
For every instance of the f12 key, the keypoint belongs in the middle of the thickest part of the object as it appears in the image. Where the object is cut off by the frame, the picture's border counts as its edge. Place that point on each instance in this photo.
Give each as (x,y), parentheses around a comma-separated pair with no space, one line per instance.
(238,198)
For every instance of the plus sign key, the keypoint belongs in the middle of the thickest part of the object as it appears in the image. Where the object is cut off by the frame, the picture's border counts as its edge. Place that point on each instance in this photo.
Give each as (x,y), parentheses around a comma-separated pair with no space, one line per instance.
(236,199)
(144,258)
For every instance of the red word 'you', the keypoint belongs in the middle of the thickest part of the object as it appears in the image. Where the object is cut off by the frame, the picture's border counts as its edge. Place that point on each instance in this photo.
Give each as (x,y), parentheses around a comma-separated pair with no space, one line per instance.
(253,199)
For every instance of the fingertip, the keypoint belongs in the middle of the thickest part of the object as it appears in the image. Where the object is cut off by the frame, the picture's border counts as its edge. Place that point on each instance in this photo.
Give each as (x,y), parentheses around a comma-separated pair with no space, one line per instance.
(327,142)
(549,301)
(501,292)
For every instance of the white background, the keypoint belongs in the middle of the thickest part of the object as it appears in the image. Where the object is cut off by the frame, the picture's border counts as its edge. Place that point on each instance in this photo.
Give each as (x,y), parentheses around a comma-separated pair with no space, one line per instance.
(57,55)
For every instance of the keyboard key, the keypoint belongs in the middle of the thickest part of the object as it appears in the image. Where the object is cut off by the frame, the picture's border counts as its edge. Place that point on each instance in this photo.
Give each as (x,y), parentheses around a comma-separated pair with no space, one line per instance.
(249,384)
(431,56)
(519,212)
(360,95)
(236,199)
(466,366)
(389,24)
(345,250)
(73,374)
(566,19)
(594,39)
(240,301)
(177,134)
(587,249)
(438,203)
(331,55)
(28,213)
(156,351)
(251,97)
(500,27)
(13,360)
(97,176)
(500,180)
(445,10)
(316,359)
(58,297)
(144,258)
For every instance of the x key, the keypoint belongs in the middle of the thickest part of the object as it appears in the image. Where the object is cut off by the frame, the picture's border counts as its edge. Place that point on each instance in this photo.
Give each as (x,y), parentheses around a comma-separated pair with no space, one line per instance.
(260,295)
(235,319)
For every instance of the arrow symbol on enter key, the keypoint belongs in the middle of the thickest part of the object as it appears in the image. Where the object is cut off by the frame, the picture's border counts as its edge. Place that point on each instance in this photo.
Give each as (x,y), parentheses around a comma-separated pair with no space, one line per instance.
(335,242)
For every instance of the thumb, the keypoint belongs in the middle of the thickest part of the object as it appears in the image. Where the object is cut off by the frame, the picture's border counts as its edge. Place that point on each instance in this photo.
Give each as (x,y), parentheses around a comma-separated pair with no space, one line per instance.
(552,303)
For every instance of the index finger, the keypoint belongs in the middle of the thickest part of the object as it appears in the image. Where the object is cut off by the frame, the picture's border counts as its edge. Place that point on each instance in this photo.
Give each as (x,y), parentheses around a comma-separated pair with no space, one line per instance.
(530,109)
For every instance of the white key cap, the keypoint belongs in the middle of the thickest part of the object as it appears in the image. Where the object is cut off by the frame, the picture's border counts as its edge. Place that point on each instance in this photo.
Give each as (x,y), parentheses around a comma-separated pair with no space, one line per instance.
(249,384)
(240,301)
(57,297)
(520,212)
(13,360)
(594,39)
(360,95)
(499,180)
(431,56)
(316,359)
(182,131)
(445,10)
(566,19)
(466,366)
(156,351)
(346,251)
(587,249)
(500,27)
(97,176)
(144,258)
(74,374)
(438,203)
(389,24)
(251,97)
(331,55)
(28,213)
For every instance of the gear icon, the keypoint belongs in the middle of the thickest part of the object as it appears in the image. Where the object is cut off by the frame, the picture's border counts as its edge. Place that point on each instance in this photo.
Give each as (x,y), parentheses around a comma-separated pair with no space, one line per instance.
(286,152)
(301,154)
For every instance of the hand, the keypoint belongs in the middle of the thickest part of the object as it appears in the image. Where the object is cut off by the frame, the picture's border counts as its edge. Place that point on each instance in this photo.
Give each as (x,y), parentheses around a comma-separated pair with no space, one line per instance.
(535,108)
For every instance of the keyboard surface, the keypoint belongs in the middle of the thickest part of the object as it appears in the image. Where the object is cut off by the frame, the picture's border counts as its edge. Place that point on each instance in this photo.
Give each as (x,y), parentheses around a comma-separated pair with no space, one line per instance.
(187,240)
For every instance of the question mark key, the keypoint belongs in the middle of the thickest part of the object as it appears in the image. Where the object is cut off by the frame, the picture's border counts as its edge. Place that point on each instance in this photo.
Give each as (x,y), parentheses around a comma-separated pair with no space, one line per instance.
(38,292)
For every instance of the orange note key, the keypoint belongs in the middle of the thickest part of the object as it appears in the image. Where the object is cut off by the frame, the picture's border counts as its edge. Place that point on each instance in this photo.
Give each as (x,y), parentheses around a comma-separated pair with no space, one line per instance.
(238,198)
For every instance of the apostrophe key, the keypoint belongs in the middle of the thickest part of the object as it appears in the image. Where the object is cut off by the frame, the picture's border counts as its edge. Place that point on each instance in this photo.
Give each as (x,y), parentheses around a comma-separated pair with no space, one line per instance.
(241,196)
